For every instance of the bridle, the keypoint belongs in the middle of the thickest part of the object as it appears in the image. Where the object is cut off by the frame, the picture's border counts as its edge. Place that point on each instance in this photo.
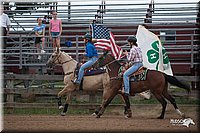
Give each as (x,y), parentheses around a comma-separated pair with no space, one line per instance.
(109,63)
(57,58)
(107,66)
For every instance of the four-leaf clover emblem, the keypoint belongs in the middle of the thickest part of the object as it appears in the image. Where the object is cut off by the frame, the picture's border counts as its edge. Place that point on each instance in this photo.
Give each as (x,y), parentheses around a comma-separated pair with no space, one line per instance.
(153,54)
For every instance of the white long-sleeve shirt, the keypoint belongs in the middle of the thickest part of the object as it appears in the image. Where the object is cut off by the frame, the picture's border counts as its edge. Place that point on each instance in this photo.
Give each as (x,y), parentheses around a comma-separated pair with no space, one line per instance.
(4,20)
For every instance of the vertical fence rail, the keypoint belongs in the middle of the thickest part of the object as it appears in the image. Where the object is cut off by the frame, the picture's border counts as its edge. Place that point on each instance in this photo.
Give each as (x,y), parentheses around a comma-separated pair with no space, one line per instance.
(20,51)
(77,48)
(192,51)
(10,95)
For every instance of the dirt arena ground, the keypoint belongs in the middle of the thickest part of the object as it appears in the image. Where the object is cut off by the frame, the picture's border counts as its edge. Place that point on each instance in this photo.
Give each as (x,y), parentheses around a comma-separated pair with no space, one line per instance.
(144,119)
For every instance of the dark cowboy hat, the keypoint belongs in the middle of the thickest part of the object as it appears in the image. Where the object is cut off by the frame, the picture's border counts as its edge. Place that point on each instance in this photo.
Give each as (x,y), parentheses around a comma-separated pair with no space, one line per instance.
(87,36)
(132,39)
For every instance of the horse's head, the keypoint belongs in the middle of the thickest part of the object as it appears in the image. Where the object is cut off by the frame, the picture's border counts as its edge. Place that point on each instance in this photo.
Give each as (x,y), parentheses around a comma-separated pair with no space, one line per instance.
(54,59)
(108,61)
(103,60)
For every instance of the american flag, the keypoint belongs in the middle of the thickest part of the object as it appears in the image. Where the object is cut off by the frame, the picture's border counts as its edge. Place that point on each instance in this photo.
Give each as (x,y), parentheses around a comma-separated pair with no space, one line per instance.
(105,40)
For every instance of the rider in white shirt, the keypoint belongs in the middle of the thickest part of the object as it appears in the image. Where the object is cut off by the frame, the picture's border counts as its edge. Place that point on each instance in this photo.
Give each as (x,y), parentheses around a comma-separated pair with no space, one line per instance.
(5,23)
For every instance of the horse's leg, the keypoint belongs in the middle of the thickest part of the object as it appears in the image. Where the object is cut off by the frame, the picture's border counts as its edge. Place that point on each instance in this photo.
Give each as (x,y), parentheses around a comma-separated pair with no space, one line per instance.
(65,91)
(60,94)
(67,102)
(96,111)
(122,97)
(172,101)
(160,98)
(59,103)
(105,80)
(108,96)
(103,106)
(127,109)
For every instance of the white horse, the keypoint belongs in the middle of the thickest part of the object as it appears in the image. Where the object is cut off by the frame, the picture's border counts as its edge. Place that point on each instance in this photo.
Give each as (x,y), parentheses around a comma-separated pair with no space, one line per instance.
(90,83)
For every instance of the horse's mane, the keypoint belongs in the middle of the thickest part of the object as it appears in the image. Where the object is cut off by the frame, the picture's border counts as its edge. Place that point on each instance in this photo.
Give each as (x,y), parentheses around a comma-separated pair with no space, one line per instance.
(68,56)
(107,56)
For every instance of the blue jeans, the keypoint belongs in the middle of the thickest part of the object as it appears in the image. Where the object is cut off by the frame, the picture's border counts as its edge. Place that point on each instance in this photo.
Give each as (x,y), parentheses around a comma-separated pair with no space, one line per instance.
(127,73)
(55,34)
(84,66)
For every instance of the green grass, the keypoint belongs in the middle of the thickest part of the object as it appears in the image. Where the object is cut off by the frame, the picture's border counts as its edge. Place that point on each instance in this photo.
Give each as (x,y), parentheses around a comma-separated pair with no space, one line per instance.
(81,111)
(47,111)
(138,100)
(179,100)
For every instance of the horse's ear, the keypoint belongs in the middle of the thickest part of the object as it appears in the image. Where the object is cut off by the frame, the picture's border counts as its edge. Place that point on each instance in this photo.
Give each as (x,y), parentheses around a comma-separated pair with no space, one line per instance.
(58,50)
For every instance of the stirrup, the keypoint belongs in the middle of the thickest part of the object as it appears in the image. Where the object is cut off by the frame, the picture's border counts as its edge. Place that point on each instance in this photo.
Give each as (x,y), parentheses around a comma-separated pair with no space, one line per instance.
(76,82)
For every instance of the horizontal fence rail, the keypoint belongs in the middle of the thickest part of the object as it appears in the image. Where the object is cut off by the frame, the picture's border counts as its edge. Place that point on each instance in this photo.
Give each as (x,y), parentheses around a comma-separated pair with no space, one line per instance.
(110,12)
(28,96)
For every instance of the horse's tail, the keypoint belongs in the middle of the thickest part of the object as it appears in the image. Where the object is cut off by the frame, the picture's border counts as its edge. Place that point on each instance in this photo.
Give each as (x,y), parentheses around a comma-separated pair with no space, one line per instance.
(174,81)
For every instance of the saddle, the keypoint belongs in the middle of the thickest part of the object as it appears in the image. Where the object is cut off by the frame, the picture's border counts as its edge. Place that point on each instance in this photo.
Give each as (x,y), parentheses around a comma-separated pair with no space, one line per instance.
(90,71)
(139,75)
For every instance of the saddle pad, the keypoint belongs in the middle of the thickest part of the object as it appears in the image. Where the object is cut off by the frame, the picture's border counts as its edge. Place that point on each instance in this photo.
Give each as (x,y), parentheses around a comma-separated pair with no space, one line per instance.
(138,76)
(94,72)
(139,71)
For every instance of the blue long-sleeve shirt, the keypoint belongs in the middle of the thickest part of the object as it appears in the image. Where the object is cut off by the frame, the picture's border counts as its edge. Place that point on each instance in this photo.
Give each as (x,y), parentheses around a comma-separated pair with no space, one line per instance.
(90,50)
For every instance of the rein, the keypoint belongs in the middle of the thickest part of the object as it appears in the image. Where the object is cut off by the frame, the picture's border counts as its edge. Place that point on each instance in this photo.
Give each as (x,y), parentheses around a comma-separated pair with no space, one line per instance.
(68,73)
(107,66)
(66,61)
(112,62)
(115,78)
(57,58)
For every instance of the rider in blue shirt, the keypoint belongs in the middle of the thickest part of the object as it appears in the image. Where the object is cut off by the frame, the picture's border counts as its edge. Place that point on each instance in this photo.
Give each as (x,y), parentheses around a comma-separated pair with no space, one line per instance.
(91,53)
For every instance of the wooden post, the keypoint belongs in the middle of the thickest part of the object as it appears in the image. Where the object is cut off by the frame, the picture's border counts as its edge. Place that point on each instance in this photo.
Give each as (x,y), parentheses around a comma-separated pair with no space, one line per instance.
(77,48)
(92,100)
(20,52)
(10,94)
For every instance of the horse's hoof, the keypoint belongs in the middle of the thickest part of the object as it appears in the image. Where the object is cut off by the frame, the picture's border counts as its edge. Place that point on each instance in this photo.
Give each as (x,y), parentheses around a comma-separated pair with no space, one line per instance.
(97,116)
(63,114)
(94,114)
(60,107)
(127,116)
(160,117)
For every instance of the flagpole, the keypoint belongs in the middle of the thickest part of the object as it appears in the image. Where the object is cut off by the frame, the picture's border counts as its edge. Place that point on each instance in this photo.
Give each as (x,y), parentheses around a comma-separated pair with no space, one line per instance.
(160,65)
(89,27)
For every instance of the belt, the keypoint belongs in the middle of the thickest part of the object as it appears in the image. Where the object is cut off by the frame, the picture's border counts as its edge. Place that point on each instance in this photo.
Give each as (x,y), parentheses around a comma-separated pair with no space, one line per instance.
(93,57)
(135,62)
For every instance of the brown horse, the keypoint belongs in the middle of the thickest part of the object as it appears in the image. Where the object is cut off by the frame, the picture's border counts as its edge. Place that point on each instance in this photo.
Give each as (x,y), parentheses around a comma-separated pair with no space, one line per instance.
(156,82)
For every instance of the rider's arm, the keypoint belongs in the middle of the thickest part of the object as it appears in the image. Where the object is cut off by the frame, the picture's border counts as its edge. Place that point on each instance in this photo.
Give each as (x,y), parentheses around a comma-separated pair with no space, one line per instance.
(89,51)
(131,55)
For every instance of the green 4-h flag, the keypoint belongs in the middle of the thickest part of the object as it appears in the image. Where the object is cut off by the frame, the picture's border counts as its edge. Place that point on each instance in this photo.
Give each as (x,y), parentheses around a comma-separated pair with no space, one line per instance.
(154,54)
